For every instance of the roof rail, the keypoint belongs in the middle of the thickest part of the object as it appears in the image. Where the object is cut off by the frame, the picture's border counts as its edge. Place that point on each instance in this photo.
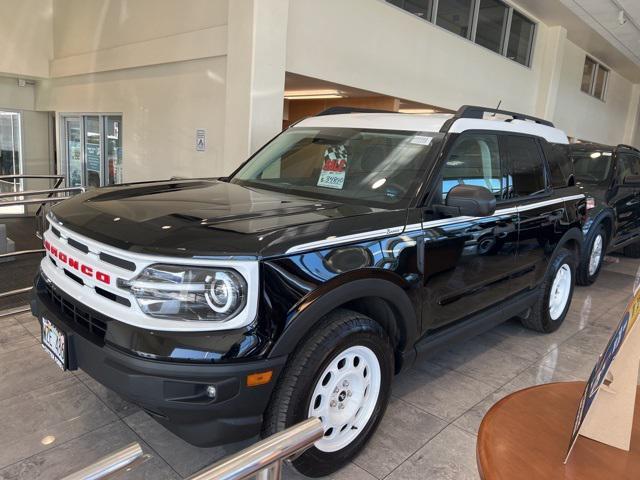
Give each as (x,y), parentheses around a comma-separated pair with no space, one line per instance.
(622,145)
(341,110)
(474,111)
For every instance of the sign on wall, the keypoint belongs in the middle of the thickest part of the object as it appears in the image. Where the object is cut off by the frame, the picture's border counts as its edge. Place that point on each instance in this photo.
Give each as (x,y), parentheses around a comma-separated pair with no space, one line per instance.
(201,140)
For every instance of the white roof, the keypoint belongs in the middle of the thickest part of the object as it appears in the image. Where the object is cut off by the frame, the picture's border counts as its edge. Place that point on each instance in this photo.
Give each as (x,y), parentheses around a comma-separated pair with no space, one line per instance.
(431,123)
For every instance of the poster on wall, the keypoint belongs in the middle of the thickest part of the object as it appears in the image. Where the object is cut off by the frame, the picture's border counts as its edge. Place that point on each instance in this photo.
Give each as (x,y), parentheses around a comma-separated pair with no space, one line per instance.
(600,377)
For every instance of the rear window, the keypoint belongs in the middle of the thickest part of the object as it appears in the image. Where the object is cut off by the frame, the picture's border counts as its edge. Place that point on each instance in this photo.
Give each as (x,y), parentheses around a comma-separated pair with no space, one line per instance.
(592,166)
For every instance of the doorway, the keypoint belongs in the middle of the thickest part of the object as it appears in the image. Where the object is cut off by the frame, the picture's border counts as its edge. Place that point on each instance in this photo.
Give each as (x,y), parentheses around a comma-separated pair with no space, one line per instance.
(92,149)
(11,156)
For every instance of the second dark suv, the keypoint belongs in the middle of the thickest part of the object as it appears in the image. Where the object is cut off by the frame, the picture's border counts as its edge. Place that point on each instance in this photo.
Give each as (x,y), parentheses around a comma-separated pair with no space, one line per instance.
(610,177)
(299,285)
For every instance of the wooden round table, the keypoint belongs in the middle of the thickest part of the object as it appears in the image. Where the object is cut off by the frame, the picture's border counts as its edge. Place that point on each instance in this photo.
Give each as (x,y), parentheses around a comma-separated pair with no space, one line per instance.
(526,436)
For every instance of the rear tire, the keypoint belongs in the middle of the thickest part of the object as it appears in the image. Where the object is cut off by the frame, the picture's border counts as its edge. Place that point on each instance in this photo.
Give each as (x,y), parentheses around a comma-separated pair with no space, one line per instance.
(555,293)
(592,255)
(342,374)
(632,251)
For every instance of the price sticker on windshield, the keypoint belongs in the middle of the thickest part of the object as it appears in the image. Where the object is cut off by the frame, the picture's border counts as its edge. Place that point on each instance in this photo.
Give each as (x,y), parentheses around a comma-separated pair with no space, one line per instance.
(334,166)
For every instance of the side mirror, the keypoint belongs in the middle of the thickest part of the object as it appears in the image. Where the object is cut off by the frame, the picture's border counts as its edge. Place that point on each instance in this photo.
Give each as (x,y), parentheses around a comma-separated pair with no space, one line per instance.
(471,200)
(632,180)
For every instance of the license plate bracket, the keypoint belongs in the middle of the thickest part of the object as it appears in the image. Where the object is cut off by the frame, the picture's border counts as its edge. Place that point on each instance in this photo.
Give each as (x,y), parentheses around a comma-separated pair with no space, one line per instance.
(54,342)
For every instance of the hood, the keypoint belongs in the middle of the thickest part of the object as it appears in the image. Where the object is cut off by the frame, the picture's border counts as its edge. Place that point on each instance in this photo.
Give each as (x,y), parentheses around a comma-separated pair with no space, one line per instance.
(212,218)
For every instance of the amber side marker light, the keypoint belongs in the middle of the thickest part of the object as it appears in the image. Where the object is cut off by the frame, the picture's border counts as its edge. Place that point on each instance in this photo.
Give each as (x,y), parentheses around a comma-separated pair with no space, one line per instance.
(260,378)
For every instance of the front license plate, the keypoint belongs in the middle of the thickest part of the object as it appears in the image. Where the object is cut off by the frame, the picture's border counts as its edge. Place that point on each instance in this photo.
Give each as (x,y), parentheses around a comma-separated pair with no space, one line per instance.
(54,342)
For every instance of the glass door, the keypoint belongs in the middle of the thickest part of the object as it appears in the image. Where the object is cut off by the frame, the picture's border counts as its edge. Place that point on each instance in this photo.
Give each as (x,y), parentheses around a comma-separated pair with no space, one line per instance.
(10,157)
(93,149)
(113,148)
(73,149)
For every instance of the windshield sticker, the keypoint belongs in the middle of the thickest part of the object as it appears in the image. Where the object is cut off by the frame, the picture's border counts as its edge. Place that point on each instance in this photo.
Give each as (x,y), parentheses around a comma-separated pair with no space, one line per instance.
(333,167)
(421,140)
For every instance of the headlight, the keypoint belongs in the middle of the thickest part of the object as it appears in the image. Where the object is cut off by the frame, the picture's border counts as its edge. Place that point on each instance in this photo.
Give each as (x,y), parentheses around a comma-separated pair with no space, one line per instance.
(189,293)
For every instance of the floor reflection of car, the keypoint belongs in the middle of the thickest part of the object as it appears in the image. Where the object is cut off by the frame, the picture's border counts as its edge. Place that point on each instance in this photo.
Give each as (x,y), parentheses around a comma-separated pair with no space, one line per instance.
(610,176)
(302,283)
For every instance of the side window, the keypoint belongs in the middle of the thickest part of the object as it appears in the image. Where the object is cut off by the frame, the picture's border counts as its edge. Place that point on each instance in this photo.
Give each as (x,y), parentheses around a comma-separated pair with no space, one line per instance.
(560,165)
(627,165)
(526,166)
(475,160)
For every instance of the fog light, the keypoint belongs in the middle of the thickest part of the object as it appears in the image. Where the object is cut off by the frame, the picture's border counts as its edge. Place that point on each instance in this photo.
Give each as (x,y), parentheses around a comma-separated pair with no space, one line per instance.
(211,391)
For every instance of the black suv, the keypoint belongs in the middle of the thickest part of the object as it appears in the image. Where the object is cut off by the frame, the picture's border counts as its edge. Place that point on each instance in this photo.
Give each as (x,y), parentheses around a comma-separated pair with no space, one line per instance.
(299,285)
(610,177)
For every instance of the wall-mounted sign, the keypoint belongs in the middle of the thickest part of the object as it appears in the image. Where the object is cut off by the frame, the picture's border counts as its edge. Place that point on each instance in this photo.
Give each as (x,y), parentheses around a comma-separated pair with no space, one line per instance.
(201,140)
(607,406)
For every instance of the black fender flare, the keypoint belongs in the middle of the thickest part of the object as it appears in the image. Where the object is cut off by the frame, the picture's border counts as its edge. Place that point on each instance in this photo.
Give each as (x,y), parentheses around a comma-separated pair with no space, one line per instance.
(597,220)
(345,288)
(573,234)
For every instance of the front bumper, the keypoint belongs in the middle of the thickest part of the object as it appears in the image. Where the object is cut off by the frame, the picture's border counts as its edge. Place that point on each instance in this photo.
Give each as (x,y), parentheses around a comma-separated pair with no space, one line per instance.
(174,393)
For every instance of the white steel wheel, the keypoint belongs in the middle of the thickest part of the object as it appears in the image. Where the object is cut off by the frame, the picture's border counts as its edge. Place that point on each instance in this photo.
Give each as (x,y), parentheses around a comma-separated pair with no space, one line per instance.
(345,396)
(560,291)
(596,254)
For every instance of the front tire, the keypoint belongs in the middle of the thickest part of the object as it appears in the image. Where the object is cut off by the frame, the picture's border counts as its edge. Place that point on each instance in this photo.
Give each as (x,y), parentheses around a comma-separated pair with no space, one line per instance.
(342,374)
(556,291)
(593,256)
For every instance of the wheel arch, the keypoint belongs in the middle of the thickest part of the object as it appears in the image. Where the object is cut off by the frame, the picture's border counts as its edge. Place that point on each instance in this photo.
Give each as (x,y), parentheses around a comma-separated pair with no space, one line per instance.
(605,218)
(378,294)
(573,239)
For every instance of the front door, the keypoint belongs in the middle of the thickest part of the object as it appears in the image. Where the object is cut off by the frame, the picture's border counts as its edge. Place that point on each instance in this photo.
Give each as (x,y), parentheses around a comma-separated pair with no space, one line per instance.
(468,262)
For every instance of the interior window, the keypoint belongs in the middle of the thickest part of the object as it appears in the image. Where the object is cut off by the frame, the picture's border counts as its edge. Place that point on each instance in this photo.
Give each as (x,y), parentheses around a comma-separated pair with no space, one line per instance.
(475,160)
(627,165)
(526,166)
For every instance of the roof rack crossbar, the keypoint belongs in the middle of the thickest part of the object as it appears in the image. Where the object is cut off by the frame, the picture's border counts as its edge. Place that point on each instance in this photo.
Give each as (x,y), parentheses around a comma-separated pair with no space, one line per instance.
(342,110)
(474,111)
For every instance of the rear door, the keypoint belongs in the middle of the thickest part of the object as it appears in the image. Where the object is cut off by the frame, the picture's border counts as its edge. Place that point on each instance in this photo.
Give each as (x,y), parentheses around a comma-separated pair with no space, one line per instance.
(625,197)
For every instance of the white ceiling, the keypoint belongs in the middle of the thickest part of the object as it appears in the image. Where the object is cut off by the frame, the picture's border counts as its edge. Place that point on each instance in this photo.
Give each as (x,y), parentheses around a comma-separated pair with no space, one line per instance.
(594,25)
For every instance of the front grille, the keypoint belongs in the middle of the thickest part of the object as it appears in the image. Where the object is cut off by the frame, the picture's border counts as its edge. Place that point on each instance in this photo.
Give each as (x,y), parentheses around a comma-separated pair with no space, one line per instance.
(75,314)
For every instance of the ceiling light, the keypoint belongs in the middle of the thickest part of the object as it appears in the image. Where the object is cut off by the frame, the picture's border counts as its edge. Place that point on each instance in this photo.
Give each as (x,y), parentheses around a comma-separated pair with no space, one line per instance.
(621,18)
(596,155)
(312,94)
(416,110)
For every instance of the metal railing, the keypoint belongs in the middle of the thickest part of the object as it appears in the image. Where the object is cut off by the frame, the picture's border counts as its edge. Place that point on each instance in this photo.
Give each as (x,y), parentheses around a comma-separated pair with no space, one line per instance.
(44,198)
(109,464)
(264,459)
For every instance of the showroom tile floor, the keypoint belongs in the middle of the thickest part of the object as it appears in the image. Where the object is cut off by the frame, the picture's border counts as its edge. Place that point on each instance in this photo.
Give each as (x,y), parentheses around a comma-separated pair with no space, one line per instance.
(54,423)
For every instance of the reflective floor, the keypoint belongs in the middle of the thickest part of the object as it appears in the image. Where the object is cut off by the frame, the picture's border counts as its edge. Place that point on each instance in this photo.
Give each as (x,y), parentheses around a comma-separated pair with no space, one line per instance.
(52,423)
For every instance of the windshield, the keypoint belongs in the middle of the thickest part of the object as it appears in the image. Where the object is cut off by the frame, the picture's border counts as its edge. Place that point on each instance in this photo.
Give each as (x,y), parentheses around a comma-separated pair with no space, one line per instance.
(372,167)
(592,166)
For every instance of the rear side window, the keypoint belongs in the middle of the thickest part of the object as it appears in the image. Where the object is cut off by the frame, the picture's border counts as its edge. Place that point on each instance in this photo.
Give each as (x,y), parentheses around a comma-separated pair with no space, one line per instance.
(526,166)
(627,165)
(560,165)
(475,160)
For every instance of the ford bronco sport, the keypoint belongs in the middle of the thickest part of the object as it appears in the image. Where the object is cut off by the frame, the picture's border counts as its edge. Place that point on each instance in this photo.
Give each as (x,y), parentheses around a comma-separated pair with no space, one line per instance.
(300,284)
(610,177)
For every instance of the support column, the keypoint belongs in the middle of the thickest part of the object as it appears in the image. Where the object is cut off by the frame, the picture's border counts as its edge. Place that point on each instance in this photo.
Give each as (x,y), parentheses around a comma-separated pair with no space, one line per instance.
(632,130)
(550,72)
(256,62)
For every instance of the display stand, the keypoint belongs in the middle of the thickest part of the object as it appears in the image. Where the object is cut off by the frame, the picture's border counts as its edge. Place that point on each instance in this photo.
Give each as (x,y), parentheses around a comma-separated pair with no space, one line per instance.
(525,436)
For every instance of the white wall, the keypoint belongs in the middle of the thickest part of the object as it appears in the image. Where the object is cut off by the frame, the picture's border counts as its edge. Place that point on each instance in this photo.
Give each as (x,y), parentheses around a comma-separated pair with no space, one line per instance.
(13,97)
(160,63)
(586,117)
(371,45)
(25,37)
(82,26)
(162,106)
